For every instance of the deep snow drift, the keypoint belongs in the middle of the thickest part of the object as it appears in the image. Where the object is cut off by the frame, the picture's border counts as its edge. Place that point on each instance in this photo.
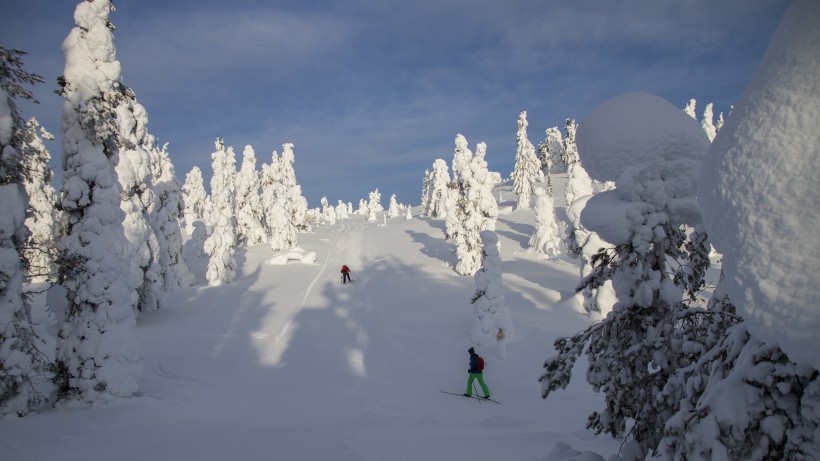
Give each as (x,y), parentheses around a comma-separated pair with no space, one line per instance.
(285,362)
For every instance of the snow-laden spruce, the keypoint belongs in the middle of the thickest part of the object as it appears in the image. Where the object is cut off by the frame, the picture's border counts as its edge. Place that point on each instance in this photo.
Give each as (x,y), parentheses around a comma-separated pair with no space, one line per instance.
(97,351)
(492,322)
(374,205)
(475,210)
(579,183)
(138,199)
(167,220)
(328,212)
(760,196)
(221,243)
(527,169)
(546,241)
(249,229)
(39,254)
(551,152)
(195,199)
(393,207)
(438,190)
(20,358)
(653,150)
(277,217)
(586,244)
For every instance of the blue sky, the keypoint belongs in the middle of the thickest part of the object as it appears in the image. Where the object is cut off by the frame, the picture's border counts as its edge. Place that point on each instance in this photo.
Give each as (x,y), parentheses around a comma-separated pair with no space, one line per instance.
(371,92)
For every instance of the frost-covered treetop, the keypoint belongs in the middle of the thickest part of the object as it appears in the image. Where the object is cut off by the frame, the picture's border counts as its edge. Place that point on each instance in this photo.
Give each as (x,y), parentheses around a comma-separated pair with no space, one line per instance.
(760,196)
(95,63)
(637,129)
(653,150)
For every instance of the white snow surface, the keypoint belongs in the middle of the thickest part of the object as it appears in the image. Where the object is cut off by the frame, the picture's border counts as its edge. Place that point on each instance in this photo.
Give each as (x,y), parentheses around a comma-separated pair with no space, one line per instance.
(287,363)
(760,196)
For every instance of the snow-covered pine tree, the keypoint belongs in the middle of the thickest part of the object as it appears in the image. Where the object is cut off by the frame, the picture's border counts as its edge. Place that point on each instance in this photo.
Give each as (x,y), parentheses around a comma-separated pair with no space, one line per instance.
(586,244)
(39,253)
(374,205)
(425,190)
(20,359)
(341,210)
(221,244)
(578,184)
(393,208)
(166,220)
(195,199)
(461,156)
(491,311)
(362,210)
(480,188)
(708,122)
(328,212)
(97,350)
(551,151)
(436,205)
(638,346)
(249,229)
(570,151)
(689,109)
(527,165)
(546,240)
(295,204)
(138,199)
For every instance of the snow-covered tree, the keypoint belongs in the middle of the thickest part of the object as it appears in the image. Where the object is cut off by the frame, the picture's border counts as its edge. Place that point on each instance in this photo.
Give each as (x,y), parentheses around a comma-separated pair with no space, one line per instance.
(294,202)
(341,210)
(551,151)
(374,205)
(97,350)
(408,214)
(393,208)
(756,394)
(586,244)
(546,240)
(689,109)
(571,156)
(436,204)
(20,359)
(461,156)
(138,199)
(492,313)
(708,122)
(39,253)
(166,220)
(362,210)
(527,165)
(221,244)
(249,229)
(578,184)
(328,212)
(655,159)
(195,198)
(425,190)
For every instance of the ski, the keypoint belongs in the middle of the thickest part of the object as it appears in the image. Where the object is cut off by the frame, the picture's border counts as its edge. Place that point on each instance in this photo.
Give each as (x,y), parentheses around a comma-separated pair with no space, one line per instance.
(476,397)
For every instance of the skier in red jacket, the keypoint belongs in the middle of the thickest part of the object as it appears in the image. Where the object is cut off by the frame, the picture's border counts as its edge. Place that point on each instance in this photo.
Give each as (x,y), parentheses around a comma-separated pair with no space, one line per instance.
(346,274)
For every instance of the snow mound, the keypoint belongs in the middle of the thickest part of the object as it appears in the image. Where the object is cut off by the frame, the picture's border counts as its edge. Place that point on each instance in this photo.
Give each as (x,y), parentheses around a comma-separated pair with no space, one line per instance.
(759,193)
(298,255)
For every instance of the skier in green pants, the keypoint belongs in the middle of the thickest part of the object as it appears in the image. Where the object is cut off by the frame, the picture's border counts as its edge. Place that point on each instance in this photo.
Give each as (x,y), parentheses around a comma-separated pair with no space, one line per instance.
(476,372)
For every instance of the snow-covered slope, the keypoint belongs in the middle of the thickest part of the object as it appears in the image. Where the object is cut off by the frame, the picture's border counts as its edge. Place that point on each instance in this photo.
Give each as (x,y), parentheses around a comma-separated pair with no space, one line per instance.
(287,363)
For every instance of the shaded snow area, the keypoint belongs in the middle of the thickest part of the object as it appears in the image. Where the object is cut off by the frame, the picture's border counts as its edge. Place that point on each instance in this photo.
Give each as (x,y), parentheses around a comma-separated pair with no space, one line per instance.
(287,363)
